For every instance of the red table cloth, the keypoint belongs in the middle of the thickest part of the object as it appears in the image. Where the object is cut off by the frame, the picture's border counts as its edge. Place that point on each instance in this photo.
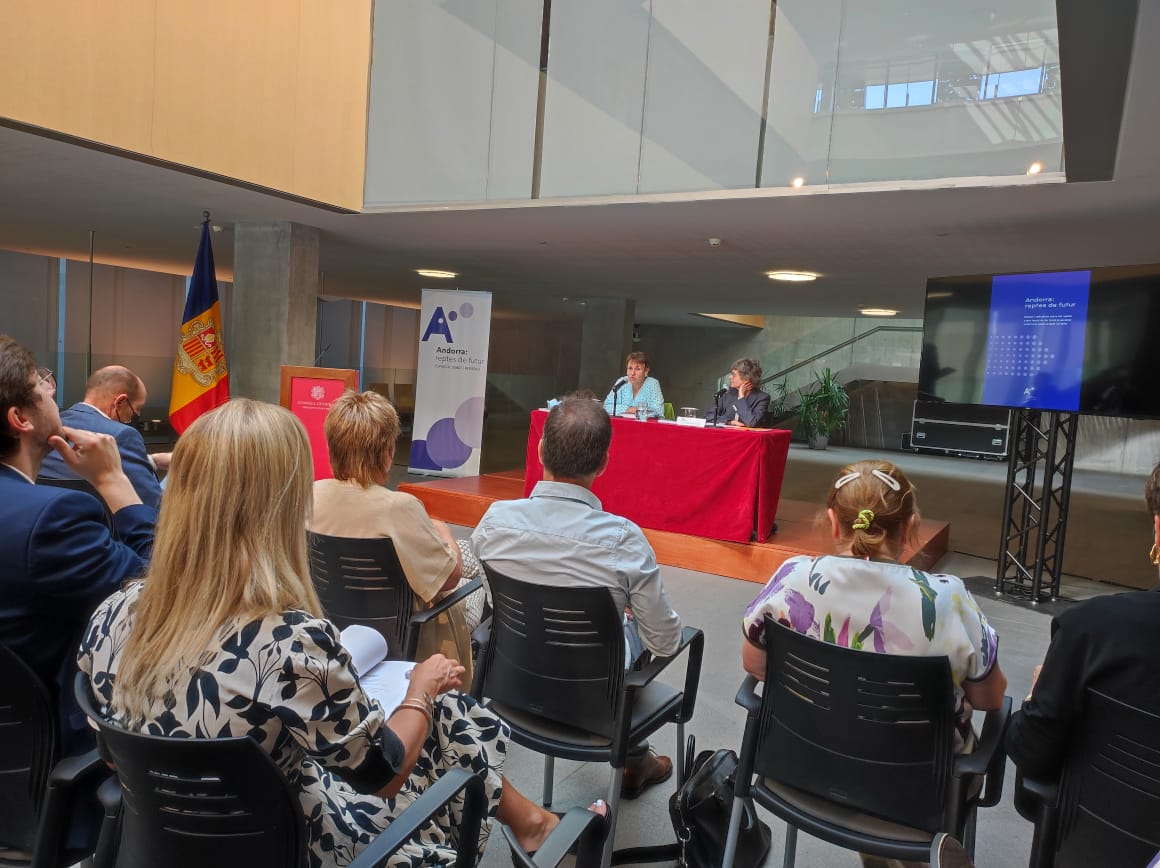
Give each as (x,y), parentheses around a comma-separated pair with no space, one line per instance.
(720,483)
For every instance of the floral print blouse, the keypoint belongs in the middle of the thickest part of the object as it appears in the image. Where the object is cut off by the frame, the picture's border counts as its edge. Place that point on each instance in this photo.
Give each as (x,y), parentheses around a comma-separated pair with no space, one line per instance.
(883,607)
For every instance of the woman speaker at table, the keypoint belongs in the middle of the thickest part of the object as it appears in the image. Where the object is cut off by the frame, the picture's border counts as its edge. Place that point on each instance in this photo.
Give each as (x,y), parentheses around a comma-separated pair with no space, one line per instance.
(743,404)
(635,389)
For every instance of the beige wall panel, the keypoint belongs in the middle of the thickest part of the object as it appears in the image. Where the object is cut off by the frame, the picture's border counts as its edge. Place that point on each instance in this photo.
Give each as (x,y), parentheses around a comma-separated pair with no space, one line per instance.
(83,68)
(332,108)
(267,92)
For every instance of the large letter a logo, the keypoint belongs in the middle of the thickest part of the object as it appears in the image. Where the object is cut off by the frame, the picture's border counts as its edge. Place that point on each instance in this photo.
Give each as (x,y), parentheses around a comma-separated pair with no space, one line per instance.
(438,326)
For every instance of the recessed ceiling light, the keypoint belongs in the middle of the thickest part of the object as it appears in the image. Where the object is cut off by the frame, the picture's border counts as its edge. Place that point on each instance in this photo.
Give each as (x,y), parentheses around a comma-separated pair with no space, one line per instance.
(878,311)
(1035,168)
(798,181)
(435,272)
(792,276)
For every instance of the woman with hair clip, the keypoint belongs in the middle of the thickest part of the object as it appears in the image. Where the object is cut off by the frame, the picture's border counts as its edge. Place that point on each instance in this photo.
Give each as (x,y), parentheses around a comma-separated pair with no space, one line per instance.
(863,598)
(225,637)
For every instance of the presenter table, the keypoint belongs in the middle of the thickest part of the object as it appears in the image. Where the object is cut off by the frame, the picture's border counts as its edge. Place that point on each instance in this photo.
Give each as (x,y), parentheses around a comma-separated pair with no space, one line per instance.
(721,483)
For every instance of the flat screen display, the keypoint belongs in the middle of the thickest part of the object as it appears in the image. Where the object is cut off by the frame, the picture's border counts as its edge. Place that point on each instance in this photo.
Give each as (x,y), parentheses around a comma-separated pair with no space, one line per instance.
(1085,341)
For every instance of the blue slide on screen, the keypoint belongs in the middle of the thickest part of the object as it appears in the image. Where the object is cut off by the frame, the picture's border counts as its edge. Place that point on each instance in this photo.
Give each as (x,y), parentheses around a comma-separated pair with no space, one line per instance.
(1035,341)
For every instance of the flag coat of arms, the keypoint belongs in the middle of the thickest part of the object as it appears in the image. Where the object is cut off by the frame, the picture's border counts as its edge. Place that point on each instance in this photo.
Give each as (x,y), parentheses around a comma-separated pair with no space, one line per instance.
(201,380)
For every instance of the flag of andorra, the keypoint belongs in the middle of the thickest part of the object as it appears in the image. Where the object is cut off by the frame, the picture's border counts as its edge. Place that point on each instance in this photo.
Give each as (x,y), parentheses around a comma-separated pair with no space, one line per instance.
(201,380)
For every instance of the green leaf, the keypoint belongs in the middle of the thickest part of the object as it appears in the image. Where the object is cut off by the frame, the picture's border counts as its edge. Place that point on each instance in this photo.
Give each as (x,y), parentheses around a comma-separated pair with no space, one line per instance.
(928,598)
(828,631)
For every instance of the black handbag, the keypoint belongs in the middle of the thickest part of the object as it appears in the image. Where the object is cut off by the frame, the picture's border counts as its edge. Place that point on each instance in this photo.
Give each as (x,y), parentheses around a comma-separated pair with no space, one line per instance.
(700,812)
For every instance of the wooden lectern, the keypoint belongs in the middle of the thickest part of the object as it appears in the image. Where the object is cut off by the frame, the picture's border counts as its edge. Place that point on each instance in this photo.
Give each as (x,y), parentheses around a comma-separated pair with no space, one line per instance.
(308,393)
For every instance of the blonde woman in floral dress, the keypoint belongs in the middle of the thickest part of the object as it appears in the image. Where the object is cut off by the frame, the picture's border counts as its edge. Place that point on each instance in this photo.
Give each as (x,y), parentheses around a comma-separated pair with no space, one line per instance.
(225,637)
(861,597)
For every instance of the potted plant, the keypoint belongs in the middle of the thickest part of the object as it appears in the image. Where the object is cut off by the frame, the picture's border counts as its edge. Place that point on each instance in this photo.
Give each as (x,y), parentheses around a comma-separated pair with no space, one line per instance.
(823,409)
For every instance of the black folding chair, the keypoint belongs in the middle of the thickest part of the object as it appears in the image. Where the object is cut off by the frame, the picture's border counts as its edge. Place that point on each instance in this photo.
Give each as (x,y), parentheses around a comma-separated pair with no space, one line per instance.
(553,669)
(192,802)
(36,792)
(857,749)
(361,581)
(1105,808)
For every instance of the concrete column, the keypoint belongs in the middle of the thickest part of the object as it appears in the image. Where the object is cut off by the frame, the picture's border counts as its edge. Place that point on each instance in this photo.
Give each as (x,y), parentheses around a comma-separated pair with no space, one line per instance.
(605,339)
(275,305)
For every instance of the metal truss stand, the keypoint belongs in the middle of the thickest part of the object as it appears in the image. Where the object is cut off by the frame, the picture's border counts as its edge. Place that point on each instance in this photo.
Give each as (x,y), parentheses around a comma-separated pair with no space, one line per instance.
(1035,509)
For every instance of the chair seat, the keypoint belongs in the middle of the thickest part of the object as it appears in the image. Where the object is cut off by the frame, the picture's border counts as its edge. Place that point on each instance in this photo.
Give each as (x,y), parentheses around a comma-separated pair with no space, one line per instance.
(826,812)
(655,705)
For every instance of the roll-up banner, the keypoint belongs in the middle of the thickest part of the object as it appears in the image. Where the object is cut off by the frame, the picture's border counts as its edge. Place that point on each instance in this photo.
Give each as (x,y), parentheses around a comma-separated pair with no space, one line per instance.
(450,382)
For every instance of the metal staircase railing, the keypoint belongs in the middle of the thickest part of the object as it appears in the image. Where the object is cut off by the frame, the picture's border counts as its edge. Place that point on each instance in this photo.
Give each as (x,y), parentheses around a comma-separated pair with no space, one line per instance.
(840,346)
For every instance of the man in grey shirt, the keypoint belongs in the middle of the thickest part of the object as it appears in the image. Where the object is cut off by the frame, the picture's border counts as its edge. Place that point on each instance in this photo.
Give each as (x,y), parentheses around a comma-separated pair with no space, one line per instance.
(561,536)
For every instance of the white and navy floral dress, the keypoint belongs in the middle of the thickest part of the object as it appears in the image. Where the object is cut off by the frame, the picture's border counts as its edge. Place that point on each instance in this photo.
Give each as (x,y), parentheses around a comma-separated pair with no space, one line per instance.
(286,681)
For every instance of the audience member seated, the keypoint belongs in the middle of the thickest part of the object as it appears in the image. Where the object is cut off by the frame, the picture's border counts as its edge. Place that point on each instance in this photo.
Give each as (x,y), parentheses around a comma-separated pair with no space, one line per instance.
(637,390)
(1108,643)
(862,598)
(361,432)
(225,637)
(60,558)
(743,404)
(560,536)
(113,400)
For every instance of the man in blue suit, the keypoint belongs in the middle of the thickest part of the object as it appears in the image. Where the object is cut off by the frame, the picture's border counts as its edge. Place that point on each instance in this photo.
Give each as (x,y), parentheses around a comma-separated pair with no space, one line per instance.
(113,400)
(58,558)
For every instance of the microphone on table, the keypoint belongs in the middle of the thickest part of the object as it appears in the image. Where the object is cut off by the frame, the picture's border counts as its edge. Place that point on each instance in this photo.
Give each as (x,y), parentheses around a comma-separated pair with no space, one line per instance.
(717,404)
(616,388)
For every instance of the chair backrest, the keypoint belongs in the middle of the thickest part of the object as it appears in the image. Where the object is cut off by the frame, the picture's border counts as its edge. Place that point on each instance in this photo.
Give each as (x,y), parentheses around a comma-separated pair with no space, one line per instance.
(1109,795)
(27,750)
(79,484)
(192,802)
(555,652)
(874,732)
(361,581)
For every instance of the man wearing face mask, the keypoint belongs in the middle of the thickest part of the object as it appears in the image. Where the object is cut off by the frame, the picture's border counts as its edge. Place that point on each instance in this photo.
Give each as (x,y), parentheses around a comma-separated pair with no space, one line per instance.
(113,400)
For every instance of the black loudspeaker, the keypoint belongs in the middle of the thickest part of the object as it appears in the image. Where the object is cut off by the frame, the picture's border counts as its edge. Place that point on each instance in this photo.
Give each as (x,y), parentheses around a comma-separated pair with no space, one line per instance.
(960,429)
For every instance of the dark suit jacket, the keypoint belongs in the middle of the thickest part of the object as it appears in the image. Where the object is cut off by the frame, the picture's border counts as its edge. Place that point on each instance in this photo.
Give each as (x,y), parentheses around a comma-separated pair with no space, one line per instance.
(1109,643)
(58,560)
(748,410)
(134,457)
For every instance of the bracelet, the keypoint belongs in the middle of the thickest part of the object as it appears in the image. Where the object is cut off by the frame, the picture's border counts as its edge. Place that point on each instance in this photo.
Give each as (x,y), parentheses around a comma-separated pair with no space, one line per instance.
(415,705)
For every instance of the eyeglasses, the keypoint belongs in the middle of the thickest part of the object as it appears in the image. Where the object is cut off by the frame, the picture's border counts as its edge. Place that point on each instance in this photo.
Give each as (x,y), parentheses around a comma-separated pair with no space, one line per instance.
(135,417)
(44,375)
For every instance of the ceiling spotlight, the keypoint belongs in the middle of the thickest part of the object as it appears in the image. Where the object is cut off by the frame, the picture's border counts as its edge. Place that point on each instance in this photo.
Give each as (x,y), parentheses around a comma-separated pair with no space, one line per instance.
(878,311)
(798,181)
(714,242)
(1035,168)
(792,276)
(435,272)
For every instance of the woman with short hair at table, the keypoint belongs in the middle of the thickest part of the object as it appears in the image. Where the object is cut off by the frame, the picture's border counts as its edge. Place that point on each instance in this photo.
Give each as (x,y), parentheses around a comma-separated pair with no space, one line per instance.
(744,404)
(225,637)
(638,390)
(863,598)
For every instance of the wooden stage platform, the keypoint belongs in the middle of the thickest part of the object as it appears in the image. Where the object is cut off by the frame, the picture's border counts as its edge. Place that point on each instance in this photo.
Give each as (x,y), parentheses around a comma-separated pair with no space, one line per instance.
(464,501)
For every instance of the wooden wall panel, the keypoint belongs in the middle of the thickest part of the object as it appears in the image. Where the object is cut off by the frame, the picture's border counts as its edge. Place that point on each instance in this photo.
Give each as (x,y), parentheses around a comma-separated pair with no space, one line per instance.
(264,91)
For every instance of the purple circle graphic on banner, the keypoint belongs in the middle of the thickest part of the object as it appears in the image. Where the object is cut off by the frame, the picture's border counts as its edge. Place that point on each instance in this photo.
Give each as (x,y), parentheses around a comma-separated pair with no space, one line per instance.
(469,422)
(419,459)
(444,447)
(452,316)
(466,309)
